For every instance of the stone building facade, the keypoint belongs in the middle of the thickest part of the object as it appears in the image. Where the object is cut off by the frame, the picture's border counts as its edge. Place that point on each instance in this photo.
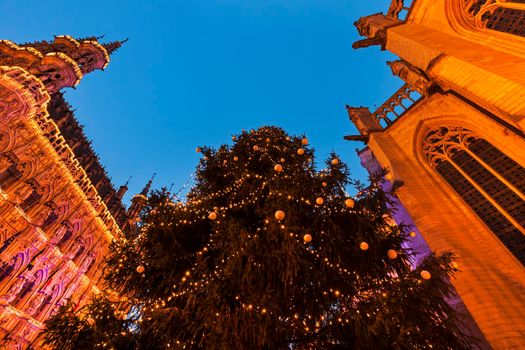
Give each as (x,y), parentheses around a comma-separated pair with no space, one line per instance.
(58,208)
(453,138)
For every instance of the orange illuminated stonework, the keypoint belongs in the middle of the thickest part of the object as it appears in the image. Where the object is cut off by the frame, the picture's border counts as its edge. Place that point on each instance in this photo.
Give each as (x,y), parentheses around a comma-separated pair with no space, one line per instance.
(58,208)
(453,138)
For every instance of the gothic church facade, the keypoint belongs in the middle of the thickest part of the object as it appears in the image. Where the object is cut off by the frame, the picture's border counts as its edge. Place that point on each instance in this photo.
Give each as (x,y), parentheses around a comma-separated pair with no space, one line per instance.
(453,138)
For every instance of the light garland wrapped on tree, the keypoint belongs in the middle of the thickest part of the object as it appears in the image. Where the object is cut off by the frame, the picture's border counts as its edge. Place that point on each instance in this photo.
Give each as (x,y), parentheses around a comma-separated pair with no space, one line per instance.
(266,256)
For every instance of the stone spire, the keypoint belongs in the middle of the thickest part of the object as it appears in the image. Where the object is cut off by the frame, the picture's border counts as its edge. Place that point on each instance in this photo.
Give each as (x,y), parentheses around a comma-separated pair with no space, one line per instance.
(146,188)
(114,46)
(59,63)
(138,202)
(91,38)
(123,189)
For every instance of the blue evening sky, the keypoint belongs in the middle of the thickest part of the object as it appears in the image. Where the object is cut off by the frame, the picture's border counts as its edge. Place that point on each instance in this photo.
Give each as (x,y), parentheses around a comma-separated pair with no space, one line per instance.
(196,71)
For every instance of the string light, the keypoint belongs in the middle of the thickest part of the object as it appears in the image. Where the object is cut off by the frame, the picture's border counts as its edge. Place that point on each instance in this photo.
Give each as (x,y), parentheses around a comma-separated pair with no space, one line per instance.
(201,206)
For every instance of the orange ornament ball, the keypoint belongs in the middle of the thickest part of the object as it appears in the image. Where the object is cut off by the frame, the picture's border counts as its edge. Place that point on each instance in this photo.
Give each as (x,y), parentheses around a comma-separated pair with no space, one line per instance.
(278,168)
(212,215)
(283,160)
(363,246)
(235,158)
(324,184)
(279,215)
(304,141)
(140,269)
(412,234)
(392,254)
(255,148)
(91,321)
(307,238)
(319,200)
(198,150)
(300,151)
(425,275)
(267,140)
(349,203)
(335,161)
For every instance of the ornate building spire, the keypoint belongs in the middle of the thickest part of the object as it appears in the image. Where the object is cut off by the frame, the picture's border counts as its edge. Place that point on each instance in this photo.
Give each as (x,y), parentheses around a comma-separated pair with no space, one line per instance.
(91,38)
(123,189)
(146,188)
(59,63)
(138,202)
(114,46)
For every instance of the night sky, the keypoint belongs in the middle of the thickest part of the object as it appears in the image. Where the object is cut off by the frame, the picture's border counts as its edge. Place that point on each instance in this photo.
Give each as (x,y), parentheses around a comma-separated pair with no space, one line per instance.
(194,72)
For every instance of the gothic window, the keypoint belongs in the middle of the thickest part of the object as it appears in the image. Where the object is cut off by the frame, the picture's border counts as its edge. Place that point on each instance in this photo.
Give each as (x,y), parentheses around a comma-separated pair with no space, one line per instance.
(491,183)
(501,15)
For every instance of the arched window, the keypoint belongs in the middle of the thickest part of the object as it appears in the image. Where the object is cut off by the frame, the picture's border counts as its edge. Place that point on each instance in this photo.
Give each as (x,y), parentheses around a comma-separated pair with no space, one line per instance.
(506,16)
(490,182)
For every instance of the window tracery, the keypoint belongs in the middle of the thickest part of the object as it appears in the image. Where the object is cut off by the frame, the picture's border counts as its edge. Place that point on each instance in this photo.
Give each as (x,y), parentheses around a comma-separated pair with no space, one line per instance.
(506,16)
(491,183)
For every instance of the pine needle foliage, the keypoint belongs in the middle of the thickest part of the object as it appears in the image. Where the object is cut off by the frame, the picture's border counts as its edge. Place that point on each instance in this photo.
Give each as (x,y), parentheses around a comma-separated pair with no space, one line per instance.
(222,270)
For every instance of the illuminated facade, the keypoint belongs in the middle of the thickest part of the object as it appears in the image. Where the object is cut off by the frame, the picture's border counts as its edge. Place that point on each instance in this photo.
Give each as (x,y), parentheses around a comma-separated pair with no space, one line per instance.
(453,138)
(58,208)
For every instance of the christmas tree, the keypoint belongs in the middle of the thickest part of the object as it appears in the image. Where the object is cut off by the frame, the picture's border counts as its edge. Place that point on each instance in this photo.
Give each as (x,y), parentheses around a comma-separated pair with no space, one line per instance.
(267,252)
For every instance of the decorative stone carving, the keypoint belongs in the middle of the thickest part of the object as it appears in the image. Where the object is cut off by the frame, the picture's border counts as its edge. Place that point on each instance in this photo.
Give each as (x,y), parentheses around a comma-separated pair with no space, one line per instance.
(42,182)
(395,8)
(374,27)
(21,192)
(413,76)
(14,290)
(10,105)
(35,303)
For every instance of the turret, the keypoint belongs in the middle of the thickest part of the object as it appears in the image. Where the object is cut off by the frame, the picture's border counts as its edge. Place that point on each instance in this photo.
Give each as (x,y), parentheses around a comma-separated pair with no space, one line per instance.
(138,202)
(123,189)
(60,63)
(113,46)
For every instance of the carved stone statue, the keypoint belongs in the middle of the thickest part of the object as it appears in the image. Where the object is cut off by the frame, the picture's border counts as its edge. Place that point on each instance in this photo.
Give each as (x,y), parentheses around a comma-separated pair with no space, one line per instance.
(58,235)
(35,303)
(75,248)
(41,215)
(86,263)
(5,163)
(15,289)
(21,192)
